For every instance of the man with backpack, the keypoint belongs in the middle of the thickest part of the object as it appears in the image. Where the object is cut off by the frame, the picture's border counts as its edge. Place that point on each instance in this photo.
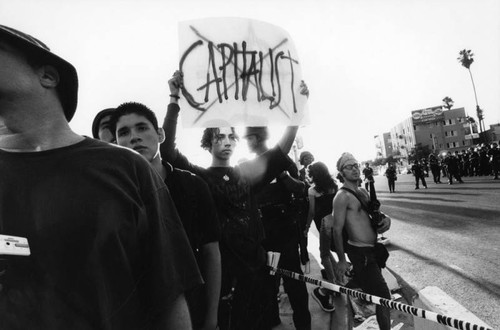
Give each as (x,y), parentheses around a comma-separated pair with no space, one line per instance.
(351,217)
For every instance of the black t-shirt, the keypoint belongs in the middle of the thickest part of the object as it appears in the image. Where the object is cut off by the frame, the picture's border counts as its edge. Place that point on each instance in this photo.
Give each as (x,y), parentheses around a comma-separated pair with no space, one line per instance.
(195,206)
(275,192)
(234,191)
(108,251)
(368,173)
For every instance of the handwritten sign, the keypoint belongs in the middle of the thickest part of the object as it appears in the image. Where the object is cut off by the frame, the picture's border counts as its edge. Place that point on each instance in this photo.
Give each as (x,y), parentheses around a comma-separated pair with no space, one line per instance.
(239,72)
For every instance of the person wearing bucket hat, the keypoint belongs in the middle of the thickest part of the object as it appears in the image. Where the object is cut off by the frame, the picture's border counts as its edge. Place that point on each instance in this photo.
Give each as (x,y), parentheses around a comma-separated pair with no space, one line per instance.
(37,52)
(88,221)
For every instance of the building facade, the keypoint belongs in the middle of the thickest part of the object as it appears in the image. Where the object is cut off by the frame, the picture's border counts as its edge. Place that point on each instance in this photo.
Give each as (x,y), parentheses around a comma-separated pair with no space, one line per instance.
(438,129)
(383,145)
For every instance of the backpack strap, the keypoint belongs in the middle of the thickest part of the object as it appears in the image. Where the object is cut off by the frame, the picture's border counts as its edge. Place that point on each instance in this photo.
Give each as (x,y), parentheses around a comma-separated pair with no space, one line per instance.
(364,205)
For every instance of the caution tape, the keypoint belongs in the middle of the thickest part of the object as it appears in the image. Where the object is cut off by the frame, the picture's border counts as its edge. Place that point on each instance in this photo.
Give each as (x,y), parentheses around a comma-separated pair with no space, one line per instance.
(422,313)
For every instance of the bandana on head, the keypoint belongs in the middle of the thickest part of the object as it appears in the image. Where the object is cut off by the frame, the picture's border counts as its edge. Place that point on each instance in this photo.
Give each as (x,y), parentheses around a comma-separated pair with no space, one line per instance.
(344,159)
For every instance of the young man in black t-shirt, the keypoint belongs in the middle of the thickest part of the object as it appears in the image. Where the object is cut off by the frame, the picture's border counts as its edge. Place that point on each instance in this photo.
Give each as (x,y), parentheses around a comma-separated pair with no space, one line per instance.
(233,189)
(136,127)
(101,226)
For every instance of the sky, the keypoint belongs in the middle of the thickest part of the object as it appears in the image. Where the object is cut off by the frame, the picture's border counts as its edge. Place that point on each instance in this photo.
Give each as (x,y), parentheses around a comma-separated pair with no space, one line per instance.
(367,63)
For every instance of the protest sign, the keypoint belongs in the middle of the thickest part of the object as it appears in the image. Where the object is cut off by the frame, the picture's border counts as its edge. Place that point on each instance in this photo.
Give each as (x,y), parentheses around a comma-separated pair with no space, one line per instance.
(239,72)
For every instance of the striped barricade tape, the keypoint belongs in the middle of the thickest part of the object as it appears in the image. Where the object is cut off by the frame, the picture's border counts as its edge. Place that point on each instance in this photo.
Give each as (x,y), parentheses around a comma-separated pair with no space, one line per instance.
(422,313)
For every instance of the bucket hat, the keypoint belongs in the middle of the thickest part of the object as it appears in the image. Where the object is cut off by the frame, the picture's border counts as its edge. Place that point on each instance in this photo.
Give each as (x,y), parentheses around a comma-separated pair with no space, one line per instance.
(68,84)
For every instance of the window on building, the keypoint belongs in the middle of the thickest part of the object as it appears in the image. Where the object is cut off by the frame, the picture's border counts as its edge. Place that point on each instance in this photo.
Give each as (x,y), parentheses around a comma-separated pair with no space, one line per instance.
(448,122)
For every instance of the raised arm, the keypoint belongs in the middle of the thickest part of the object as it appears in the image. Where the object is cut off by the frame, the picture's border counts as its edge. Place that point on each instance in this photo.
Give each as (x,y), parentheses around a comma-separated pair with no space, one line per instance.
(286,142)
(168,150)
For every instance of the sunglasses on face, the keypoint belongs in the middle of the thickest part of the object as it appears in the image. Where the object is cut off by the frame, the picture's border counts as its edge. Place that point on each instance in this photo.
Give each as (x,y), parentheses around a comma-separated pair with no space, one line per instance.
(351,166)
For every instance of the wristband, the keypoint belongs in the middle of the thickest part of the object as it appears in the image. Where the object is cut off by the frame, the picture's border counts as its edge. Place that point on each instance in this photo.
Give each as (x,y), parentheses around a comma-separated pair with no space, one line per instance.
(175,96)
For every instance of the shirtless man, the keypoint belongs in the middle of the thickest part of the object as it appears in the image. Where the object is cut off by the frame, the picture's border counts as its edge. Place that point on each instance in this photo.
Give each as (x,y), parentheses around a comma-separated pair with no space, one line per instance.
(362,237)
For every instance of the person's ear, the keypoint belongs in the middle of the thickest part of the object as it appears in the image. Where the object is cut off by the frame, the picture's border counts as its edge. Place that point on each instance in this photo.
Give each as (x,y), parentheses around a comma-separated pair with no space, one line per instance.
(161,134)
(49,76)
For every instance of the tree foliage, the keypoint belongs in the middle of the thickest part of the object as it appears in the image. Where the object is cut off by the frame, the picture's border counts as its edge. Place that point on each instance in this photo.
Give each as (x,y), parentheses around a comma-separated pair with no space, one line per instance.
(448,101)
(466,58)
(419,152)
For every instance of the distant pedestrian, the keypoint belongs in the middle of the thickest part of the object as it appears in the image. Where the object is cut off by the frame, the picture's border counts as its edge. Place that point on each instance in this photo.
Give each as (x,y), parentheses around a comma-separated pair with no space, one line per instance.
(494,154)
(452,165)
(391,175)
(368,174)
(435,168)
(419,175)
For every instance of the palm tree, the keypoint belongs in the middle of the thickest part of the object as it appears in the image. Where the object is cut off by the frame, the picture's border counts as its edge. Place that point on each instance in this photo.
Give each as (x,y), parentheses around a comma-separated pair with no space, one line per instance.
(448,102)
(466,59)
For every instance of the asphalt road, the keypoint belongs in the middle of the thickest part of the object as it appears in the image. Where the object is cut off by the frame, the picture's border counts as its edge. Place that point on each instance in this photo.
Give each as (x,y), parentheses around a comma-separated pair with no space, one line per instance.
(447,236)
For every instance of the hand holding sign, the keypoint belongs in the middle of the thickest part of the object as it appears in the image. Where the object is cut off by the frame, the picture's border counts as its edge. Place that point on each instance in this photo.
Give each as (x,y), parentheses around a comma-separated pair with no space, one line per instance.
(239,72)
(175,84)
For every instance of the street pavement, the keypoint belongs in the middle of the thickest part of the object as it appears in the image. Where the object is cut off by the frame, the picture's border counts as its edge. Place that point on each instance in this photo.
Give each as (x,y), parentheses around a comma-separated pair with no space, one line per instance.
(447,236)
(326,321)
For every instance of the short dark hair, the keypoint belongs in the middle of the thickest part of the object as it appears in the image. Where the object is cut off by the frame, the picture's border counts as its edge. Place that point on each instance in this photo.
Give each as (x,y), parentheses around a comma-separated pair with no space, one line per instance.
(208,135)
(303,155)
(129,108)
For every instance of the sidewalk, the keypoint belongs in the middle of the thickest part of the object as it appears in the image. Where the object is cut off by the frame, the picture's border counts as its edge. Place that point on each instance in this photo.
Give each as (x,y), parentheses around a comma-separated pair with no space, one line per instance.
(325,321)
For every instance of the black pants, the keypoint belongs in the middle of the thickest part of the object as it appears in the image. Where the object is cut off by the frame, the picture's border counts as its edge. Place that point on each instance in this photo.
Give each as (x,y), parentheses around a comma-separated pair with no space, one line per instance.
(436,174)
(368,276)
(282,236)
(243,298)
(454,174)
(392,184)
(422,178)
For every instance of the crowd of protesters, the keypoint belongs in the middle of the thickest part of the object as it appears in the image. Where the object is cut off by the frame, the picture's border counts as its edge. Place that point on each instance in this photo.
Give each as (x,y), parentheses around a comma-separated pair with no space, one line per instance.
(125,239)
(480,160)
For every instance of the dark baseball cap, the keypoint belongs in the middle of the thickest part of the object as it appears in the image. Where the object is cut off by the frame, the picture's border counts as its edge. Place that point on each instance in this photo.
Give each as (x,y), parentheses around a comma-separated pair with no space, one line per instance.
(97,121)
(68,84)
